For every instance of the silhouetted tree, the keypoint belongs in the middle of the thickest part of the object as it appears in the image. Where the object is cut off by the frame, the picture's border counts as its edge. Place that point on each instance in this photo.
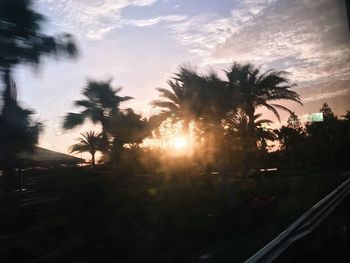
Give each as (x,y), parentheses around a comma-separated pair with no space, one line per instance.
(324,139)
(237,124)
(200,100)
(127,129)
(194,97)
(18,133)
(291,138)
(347,116)
(292,134)
(237,129)
(90,142)
(181,103)
(22,40)
(251,90)
(99,103)
(327,113)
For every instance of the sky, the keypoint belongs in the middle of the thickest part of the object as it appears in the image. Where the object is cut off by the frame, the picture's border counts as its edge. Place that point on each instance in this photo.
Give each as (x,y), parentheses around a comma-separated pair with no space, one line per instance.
(141,43)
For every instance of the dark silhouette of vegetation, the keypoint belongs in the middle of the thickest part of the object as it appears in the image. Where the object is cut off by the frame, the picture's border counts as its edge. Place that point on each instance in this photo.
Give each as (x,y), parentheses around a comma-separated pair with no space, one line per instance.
(322,145)
(291,138)
(209,102)
(251,90)
(22,41)
(18,133)
(127,130)
(90,142)
(194,98)
(328,141)
(179,104)
(100,101)
(184,198)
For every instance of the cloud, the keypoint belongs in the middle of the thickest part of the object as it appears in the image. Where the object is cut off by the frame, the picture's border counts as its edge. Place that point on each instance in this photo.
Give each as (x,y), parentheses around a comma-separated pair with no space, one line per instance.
(327,95)
(313,34)
(153,21)
(326,90)
(205,33)
(308,38)
(88,17)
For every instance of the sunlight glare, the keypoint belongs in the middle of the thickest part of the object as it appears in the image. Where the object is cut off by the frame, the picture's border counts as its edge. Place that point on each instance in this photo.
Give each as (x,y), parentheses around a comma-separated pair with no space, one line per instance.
(180,143)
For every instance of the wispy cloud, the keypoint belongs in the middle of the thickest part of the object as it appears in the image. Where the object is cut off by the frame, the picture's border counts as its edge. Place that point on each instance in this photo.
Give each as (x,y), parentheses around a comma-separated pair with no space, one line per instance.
(205,33)
(89,17)
(153,21)
(326,95)
(308,38)
(312,34)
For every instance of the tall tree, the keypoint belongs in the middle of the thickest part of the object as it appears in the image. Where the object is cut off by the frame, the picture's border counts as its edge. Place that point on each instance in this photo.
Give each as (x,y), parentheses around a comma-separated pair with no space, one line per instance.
(18,133)
(328,114)
(251,90)
(100,101)
(194,98)
(237,126)
(324,138)
(90,142)
(22,39)
(127,129)
(180,103)
(292,139)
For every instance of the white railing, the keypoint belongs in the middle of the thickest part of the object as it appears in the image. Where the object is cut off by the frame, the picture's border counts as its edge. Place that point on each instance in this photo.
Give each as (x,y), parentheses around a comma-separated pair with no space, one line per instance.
(303,226)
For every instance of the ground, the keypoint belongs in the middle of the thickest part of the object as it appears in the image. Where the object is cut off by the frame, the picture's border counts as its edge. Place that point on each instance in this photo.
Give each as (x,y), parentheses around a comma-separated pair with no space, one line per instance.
(94,215)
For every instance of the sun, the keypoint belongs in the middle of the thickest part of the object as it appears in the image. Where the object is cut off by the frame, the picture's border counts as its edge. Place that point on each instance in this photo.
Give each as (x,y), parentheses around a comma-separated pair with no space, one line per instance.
(180,143)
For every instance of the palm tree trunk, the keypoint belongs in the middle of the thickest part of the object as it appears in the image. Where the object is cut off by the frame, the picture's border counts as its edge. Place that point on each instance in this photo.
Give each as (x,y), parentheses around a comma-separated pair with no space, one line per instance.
(12,203)
(105,144)
(251,125)
(8,160)
(7,94)
(92,159)
(104,134)
(250,146)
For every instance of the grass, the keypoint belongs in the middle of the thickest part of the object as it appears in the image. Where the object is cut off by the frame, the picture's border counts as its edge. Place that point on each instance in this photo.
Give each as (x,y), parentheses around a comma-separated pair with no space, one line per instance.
(94,215)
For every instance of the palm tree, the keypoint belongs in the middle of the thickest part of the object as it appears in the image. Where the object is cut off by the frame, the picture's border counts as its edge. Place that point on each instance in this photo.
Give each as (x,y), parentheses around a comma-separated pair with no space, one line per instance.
(89,142)
(18,133)
(22,40)
(237,125)
(128,129)
(251,90)
(101,100)
(180,102)
(201,99)
(264,133)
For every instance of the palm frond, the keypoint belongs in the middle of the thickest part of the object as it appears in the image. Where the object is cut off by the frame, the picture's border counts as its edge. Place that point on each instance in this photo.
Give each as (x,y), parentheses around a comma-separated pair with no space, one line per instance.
(282,107)
(79,148)
(73,120)
(84,103)
(164,93)
(271,108)
(165,104)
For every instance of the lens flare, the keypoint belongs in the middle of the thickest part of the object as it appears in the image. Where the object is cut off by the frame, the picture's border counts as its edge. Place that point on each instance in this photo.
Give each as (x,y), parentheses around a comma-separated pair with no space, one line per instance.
(180,143)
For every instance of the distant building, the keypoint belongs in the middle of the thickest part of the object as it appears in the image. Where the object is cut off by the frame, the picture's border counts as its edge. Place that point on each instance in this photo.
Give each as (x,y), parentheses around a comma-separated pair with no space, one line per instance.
(42,157)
